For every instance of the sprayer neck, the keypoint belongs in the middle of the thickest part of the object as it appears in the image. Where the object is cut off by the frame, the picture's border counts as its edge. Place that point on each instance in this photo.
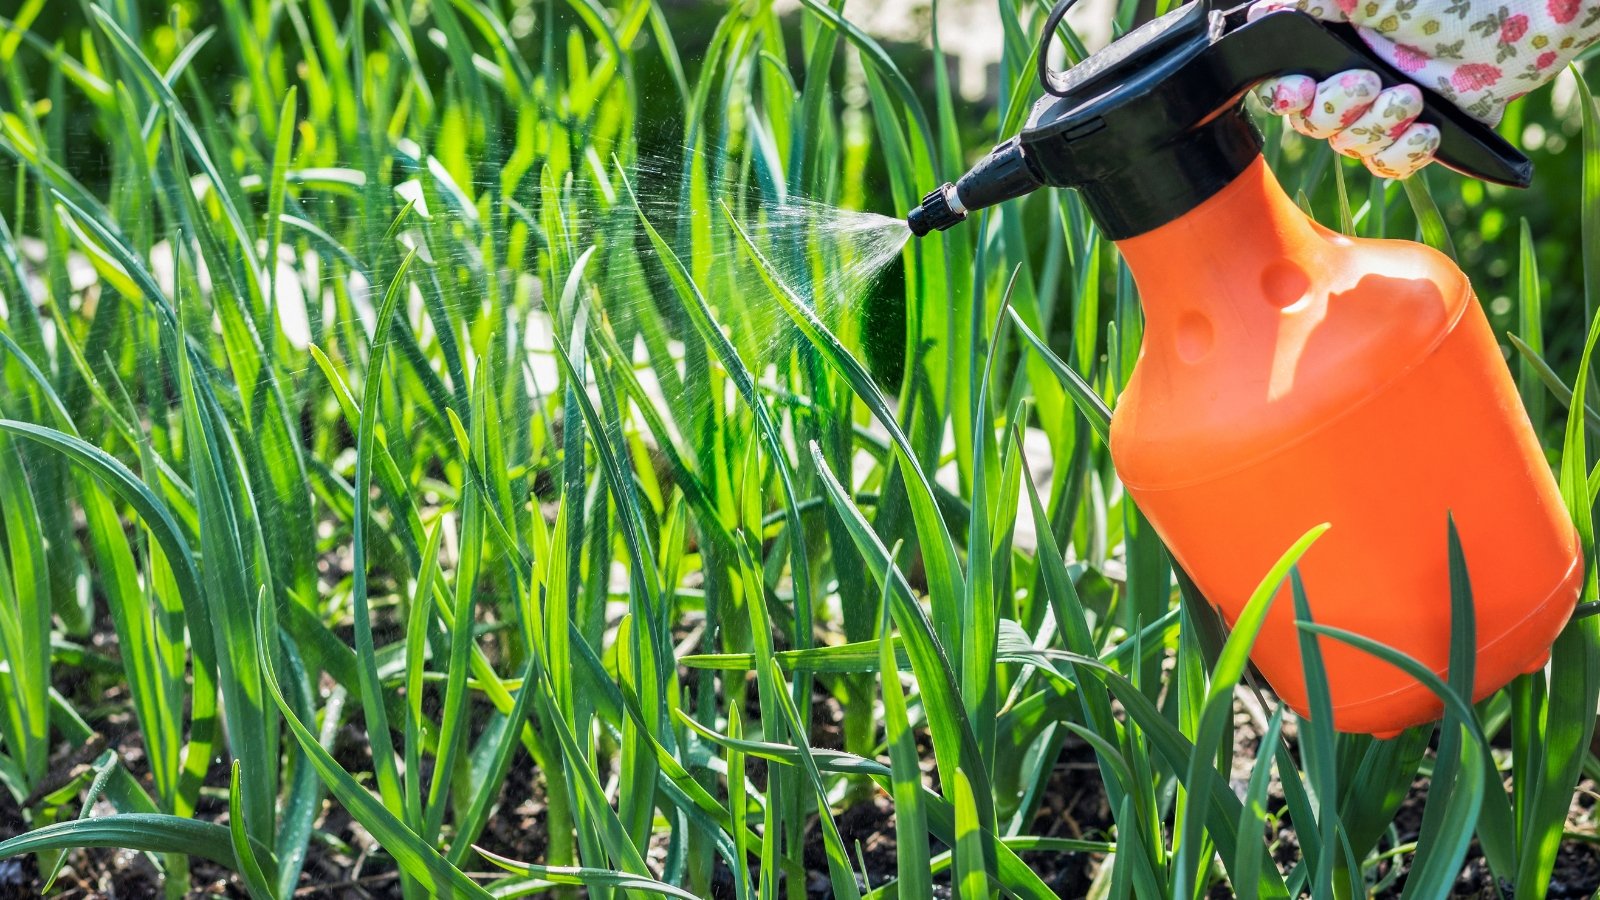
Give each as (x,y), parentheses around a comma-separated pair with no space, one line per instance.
(1166,183)
(1246,227)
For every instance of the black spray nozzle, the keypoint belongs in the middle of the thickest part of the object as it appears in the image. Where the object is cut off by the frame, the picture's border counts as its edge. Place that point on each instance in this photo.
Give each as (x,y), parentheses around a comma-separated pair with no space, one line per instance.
(1005,174)
(940,210)
(1154,124)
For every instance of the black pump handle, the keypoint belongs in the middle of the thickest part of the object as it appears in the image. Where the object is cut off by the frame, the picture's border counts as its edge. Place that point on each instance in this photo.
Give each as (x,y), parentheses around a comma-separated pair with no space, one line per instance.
(1050,79)
(1289,42)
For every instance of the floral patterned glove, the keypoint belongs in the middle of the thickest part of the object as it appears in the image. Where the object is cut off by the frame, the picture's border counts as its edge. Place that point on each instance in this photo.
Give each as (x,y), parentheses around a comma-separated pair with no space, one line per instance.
(1479,54)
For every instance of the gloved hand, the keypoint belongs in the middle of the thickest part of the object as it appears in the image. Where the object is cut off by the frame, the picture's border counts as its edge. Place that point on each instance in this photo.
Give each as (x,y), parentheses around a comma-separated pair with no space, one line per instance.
(1479,54)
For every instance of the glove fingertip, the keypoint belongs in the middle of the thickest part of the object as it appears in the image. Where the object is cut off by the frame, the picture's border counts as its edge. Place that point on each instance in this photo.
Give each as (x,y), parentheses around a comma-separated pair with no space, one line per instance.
(1414,149)
(1263,7)
(1421,138)
(1287,94)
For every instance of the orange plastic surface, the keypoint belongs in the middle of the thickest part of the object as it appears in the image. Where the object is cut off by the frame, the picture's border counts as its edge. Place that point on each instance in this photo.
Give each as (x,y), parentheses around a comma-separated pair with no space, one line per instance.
(1292,376)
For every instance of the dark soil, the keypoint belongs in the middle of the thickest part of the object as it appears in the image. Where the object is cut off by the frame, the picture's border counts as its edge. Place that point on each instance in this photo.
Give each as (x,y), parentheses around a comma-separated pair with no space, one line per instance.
(344,863)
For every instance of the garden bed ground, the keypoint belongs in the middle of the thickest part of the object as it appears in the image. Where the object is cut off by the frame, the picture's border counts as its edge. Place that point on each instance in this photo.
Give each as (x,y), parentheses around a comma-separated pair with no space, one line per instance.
(345,864)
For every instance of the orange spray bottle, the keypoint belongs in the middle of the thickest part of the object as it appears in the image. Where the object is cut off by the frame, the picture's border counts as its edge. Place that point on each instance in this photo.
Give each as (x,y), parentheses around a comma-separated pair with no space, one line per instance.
(1291,375)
